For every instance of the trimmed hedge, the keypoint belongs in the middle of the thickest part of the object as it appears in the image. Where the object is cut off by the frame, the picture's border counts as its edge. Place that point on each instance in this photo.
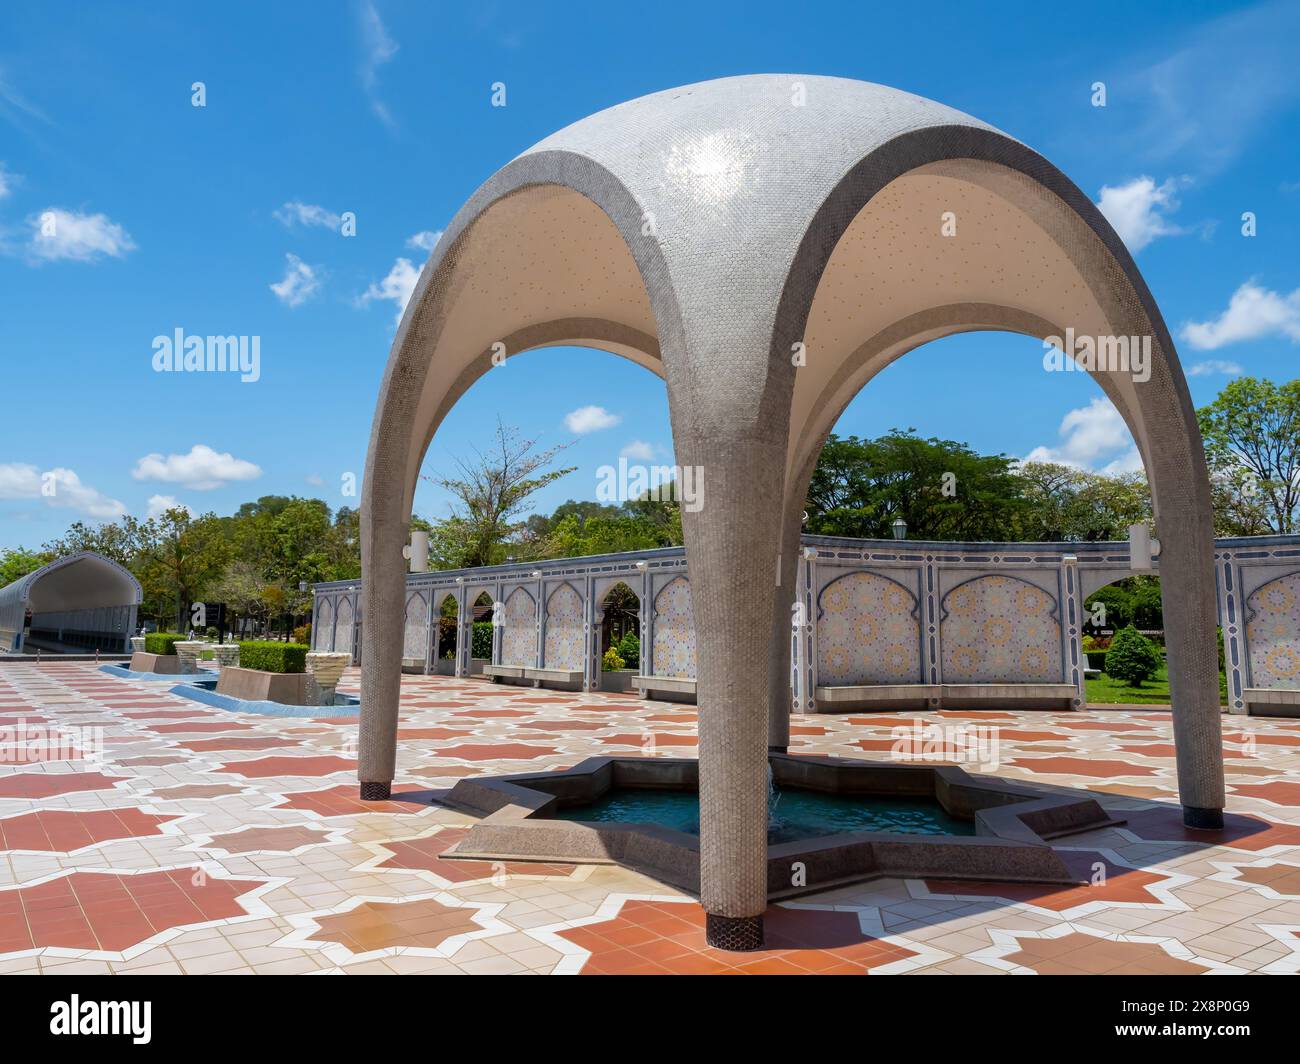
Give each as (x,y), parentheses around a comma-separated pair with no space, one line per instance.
(268,655)
(481,641)
(162,642)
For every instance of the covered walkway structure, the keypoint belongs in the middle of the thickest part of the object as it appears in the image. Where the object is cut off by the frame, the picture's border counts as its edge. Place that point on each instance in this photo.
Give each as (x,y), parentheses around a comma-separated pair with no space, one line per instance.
(768,244)
(82,602)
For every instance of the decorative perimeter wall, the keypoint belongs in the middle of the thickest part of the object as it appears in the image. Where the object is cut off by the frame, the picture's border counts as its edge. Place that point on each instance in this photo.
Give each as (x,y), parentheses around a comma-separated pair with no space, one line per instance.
(875,622)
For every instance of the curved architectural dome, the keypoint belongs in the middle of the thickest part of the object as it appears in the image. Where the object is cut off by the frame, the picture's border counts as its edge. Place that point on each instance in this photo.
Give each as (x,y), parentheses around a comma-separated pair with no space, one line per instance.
(767,245)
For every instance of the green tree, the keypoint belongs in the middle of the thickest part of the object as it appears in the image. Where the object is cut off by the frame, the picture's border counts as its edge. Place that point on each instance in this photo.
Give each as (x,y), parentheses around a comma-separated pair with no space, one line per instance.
(182,557)
(16,562)
(941,488)
(1132,657)
(493,489)
(1065,503)
(1252,444)
(121,541)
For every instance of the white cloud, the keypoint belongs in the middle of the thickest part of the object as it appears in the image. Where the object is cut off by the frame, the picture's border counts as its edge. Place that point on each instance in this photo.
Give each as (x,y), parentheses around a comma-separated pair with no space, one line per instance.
(377,49)
(300,283)
(1212,366)
(1089,435)
(1137,210)
(59,487)
(590,419)
(160,504)
(60,234)
(397,286)
(315,479)
(8,181)
(1252,314)
(201,470)
(295,213)
(425,240)
(638,450)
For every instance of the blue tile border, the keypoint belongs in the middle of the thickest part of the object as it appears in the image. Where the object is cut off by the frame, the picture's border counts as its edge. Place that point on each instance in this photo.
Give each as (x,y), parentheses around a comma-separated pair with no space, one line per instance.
(268,709)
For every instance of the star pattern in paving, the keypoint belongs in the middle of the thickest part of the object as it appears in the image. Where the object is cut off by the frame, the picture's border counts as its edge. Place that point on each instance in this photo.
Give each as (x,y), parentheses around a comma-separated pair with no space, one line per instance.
(208,841)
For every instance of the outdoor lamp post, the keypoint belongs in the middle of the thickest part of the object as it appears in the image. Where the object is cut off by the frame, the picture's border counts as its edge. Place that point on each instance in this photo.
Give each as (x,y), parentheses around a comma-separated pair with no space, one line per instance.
(900,528)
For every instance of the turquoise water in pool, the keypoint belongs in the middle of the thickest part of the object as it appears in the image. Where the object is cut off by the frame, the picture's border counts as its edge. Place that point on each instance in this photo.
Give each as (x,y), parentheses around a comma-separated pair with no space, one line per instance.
(795,814)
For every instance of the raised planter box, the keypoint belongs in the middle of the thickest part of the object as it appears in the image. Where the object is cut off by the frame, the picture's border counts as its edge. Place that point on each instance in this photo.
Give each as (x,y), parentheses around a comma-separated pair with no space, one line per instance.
(253,685)
(142,661)
(617,682)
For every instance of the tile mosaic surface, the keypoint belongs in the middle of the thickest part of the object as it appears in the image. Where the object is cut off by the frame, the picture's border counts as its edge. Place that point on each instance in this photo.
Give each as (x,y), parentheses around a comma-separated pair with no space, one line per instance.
(140,832)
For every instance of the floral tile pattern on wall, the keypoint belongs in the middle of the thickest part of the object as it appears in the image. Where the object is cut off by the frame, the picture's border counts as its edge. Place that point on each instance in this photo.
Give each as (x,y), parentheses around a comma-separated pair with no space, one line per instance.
(519,640)
(674,632)
(867,632)
(564,646)
(1273,633)
(1000,629)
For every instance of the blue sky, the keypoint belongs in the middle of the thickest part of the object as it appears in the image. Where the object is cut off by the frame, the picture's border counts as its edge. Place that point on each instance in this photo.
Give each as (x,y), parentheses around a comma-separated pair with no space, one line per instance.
(224,219)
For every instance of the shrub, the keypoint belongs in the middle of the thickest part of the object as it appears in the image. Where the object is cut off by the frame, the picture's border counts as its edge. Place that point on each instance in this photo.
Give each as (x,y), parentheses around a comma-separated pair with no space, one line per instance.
(302,634)
(272,656)
(1132,657)
(611,662)
(211,634)
(629,649)
(481,641)
(162,642)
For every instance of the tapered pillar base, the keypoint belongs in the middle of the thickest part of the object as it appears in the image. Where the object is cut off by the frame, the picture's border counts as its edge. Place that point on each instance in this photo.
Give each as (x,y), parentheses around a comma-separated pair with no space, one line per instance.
(739,934)
(376,792)
(1204,819)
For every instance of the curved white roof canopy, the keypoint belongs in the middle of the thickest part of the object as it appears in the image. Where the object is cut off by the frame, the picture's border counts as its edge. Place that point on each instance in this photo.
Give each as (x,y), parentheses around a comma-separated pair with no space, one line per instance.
(81,581)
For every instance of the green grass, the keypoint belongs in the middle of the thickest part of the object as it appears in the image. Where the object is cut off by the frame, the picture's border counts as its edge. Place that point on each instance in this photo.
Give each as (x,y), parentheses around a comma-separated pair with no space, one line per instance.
(1106,689)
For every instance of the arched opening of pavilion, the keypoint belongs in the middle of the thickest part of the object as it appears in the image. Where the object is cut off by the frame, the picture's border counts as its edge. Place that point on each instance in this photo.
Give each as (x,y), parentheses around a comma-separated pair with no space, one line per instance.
(83,602)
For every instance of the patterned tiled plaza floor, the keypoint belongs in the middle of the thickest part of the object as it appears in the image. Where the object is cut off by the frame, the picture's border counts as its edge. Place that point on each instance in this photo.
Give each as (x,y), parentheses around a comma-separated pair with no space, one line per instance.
(142,832)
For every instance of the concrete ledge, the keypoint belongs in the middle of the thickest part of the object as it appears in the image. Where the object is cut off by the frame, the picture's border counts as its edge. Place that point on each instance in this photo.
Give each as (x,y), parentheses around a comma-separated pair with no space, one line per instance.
(504,672)
(900,692)
(1272,702)
(564,679)
(677,688)
(898,696)
(253,685)
(570,679)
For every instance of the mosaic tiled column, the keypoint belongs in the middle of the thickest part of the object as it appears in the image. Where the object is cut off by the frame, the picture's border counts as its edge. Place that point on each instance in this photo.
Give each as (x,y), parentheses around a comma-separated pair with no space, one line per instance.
(732,545)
